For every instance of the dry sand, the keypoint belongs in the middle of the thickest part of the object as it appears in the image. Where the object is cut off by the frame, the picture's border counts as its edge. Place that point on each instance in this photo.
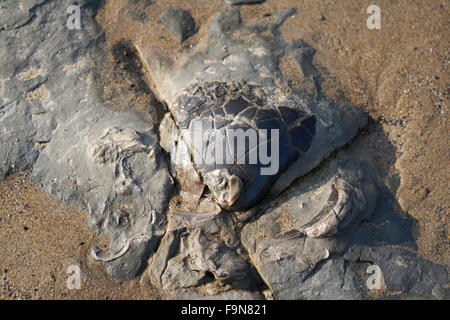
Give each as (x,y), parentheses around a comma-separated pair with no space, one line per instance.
(399,74)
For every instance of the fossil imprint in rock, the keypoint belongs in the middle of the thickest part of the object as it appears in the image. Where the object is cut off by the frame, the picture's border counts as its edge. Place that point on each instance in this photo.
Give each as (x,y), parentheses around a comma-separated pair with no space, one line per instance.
(238,135)
(232,82)
(230,101)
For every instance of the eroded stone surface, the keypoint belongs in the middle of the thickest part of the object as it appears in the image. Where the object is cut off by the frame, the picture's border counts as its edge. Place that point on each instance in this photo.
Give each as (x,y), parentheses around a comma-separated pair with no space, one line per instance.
(285,257)
(200,253)
(51,114)
(298,267)
(52,119)
(233,84)
(118,174)
(39,82)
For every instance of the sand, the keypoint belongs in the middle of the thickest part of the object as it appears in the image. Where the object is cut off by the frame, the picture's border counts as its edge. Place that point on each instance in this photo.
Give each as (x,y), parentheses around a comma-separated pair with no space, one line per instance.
(399,74)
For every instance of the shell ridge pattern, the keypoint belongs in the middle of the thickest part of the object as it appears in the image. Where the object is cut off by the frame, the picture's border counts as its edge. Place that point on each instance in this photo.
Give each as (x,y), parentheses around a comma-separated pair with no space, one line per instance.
(226,110)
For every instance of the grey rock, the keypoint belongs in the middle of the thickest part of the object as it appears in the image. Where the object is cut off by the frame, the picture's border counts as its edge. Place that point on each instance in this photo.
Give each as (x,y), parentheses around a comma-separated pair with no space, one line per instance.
(226,80)
(35,76)
(180,22)
(332,279)
(299,267)
(404,272)
(198,256)
(133,262)
(118,174)
(14,17)
(293,264)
